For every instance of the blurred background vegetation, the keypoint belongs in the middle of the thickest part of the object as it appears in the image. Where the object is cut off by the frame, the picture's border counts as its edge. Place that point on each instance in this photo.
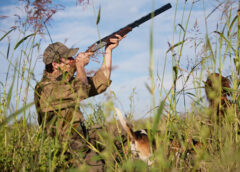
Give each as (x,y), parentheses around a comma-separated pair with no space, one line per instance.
(24,146)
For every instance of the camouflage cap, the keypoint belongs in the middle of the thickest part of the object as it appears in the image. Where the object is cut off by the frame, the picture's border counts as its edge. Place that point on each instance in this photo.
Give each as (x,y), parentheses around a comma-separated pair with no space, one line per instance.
(56,50)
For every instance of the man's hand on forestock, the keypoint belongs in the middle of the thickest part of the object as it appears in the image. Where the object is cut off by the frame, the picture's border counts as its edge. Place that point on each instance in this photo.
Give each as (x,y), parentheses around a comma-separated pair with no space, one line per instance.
(113,42)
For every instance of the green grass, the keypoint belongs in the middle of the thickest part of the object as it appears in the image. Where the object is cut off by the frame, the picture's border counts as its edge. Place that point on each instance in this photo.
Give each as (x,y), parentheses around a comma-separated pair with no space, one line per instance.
(24,146)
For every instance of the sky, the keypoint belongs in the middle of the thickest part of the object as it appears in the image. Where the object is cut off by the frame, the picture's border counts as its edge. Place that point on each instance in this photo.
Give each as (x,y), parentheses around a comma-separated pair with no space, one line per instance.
(76,27)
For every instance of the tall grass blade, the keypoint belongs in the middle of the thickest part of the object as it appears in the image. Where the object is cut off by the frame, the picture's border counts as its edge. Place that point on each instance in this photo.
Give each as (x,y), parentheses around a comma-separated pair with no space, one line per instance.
(9,95)
(99,15)
(159,112)
(231,25)
(191,94)
(23,39)
(209,47)
(8,50)
(181,27)
(214,9)
(15,114)
(225,39)
(158,116)
(7,34)
(175,45)
(149,88)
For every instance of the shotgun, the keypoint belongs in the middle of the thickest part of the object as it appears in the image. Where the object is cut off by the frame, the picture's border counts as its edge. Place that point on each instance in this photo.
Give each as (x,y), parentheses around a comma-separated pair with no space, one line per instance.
(123,31)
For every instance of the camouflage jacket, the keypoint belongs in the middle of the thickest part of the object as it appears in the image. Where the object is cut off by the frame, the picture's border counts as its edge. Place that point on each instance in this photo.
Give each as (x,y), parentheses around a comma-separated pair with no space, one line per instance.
(57,97)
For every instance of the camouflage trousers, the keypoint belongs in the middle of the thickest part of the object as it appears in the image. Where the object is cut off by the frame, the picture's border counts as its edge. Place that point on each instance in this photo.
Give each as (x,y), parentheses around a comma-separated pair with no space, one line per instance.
(100,138)
(86,141)
(71,130)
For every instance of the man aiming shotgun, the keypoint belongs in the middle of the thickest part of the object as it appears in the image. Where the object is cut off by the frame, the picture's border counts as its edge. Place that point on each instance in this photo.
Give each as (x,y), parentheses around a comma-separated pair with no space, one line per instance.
(59,93)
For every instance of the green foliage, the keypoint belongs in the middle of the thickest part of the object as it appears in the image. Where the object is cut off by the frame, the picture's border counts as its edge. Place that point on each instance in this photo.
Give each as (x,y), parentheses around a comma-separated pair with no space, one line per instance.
(99,15)
(7,34)
(24,146)
(22,40)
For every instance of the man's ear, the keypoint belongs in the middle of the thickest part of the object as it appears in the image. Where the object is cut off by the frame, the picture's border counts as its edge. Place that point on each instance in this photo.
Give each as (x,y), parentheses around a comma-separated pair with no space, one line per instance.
(55,65)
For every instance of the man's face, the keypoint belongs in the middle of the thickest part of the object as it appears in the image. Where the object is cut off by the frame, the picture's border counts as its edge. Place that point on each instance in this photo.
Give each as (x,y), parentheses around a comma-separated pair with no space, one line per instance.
(66,65)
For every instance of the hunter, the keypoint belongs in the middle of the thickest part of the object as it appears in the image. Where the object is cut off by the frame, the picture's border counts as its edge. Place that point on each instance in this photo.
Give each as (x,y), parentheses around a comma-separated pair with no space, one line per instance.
(60,91)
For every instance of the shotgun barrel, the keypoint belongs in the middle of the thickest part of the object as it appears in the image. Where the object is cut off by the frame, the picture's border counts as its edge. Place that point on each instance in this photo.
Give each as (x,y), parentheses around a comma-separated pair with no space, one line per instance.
(123,31)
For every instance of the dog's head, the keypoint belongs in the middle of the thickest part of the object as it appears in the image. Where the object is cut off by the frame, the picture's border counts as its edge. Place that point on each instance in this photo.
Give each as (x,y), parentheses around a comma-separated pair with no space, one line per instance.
(216,84)
(140,144)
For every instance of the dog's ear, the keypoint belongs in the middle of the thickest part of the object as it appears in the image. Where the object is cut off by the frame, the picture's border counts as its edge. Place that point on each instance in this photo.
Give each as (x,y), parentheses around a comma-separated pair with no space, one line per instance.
(127,127)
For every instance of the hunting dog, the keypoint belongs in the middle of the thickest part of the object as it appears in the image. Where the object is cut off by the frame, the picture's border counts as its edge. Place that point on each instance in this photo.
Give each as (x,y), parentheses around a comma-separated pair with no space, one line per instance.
(216,87)
(141,147)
